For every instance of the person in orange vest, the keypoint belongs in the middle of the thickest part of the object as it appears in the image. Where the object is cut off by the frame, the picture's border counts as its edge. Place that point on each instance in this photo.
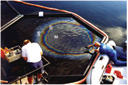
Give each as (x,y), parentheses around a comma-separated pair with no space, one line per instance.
(2,53)
(3,57)
(6,50)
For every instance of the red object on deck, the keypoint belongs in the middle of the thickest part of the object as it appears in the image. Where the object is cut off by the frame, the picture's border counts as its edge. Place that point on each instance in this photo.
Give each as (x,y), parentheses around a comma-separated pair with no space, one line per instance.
(109,68)
(118,74)
(2,53)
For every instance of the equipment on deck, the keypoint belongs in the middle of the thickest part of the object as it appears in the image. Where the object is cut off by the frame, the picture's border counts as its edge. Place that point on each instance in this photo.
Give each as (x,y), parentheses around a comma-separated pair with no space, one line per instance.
(13,54)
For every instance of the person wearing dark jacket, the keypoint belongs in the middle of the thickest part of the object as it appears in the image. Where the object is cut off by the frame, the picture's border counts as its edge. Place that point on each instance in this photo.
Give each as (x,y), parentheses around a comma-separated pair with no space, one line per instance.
(105,49)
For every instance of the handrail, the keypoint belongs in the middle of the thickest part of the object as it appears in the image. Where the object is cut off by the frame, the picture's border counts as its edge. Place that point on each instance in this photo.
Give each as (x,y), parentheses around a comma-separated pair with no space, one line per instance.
(11,22)
(20,77)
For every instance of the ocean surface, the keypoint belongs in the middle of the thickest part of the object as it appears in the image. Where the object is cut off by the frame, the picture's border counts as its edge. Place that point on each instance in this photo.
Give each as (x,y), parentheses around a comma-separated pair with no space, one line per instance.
(109,16)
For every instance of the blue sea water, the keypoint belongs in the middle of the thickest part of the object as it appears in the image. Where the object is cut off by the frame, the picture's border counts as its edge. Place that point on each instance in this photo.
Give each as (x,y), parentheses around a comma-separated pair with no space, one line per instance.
(103,13)
(109,16)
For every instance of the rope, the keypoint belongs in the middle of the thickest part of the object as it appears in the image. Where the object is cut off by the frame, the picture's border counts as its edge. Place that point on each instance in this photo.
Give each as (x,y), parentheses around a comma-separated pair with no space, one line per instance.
(13,8)
(64,11)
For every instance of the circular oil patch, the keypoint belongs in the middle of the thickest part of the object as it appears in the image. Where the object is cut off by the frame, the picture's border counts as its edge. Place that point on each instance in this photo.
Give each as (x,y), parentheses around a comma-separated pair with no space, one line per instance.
(63,37)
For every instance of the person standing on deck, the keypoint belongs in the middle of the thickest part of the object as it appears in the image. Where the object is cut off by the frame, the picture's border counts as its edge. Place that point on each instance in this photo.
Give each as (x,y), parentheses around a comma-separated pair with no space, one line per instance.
(32,52)
(105,49)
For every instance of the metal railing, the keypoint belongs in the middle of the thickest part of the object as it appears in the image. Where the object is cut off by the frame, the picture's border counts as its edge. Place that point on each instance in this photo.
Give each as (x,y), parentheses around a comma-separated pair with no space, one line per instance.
(21,77)
(11,22)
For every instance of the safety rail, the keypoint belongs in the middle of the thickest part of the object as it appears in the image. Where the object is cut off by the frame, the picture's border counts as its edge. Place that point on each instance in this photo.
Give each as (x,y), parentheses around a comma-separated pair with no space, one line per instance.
(20,77)
(11,22)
